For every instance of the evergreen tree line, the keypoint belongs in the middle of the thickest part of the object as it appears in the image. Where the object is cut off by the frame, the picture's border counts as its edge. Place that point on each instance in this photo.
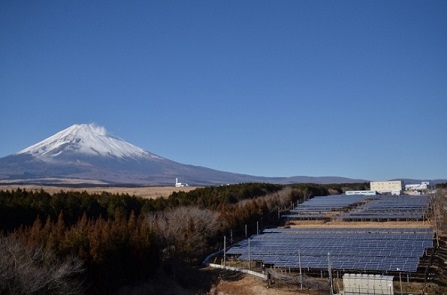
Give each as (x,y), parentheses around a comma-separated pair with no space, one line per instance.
(103,241)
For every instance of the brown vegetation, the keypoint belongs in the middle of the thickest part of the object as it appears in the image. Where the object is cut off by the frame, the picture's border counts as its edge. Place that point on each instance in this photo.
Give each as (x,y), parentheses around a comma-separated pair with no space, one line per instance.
(36,270)
(135,244)
(147,192)
(129,241)
(115,251)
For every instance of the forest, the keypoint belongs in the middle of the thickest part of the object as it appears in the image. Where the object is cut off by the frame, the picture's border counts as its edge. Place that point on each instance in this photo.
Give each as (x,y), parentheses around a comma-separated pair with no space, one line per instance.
(80,243)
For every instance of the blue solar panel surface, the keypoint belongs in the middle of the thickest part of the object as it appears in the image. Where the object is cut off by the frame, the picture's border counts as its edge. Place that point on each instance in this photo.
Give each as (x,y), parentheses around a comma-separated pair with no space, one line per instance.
(390,207)
(366,249)
(321,206)
(361,207)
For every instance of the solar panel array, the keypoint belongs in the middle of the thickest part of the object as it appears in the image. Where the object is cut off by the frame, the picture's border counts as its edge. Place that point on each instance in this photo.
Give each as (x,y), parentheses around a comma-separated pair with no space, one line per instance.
(322,206)
(362,207)
(364,249)
(390,208)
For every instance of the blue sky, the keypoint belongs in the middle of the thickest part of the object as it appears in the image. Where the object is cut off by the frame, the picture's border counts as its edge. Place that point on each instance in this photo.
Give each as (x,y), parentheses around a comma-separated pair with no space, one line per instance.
(269,88)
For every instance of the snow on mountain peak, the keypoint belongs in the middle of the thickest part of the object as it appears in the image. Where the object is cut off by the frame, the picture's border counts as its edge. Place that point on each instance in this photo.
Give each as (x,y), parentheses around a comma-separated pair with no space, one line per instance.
(87,140)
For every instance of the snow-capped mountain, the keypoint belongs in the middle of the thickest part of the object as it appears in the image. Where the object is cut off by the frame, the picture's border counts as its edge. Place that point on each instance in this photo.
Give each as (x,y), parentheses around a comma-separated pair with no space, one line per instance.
(88,154)
(85,140)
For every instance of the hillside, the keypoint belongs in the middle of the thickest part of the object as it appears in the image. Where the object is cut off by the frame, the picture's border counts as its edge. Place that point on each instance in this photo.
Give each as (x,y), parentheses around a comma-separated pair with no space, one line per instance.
(87,155)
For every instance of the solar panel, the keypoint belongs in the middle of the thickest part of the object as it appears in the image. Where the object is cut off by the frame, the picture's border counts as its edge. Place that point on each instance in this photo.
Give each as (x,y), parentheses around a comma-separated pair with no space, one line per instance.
(321,206)
(361,207)
(390,208)
(359,249)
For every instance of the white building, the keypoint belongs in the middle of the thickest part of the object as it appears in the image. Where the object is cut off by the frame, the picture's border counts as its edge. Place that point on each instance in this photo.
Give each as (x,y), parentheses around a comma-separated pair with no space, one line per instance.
(363,193)
(179,184)
(417,186)
(386,187)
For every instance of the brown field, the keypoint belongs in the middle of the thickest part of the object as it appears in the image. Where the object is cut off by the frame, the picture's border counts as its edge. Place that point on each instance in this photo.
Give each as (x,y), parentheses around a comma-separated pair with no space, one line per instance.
(149,192)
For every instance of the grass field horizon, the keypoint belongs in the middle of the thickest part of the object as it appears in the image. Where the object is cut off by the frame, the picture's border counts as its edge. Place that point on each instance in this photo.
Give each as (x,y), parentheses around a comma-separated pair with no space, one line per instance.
(147,192)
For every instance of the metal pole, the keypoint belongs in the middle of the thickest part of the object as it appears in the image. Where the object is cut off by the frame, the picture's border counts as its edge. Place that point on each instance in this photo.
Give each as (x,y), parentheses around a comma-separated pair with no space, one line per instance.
(225,250)
(400,280)
(231,237)
(435,215)
(329,270)
(257,227)
(246,234)
(408,279)
(301,274)
(249,258)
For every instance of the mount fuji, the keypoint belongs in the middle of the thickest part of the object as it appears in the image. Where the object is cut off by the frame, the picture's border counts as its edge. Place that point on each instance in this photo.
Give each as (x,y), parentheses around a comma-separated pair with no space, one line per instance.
(86,154)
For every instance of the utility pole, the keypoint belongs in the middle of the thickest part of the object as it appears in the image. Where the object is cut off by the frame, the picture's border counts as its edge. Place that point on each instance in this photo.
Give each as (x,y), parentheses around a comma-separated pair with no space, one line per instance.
(249,258)
(301,274)
(330,271)
(400,279)
(225,250)
(435,216)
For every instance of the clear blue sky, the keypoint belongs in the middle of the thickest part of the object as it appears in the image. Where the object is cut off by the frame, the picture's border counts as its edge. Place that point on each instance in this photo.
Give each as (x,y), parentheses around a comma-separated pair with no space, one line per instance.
(268,88)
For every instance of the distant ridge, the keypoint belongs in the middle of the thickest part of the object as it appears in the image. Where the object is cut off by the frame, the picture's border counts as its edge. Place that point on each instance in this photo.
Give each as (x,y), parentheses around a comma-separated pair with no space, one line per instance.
(86,154)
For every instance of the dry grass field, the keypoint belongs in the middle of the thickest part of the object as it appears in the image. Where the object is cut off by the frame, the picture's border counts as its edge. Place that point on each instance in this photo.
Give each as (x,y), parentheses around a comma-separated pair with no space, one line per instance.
(143,192)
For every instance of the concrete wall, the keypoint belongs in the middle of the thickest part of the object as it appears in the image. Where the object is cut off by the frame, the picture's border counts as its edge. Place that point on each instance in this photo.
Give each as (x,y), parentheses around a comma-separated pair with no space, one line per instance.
(366,284)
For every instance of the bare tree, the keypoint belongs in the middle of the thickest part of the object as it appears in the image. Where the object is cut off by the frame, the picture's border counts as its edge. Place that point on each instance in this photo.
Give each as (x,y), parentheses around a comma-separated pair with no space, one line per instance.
(440,211)
(36,271)
(186,230)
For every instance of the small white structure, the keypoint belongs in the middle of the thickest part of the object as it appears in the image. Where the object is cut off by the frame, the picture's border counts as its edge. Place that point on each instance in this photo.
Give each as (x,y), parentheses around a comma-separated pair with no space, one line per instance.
(363,193)
(179,184)
(365,284)
(383,187)
(418,186)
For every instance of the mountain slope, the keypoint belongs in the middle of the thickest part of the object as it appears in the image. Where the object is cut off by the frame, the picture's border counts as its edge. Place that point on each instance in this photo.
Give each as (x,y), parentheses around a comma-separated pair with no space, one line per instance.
(87,153)
(85,140)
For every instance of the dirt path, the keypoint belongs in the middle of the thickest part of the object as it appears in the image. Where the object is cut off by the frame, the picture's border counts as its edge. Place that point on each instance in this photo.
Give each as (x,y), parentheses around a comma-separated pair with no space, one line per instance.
(236,284)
